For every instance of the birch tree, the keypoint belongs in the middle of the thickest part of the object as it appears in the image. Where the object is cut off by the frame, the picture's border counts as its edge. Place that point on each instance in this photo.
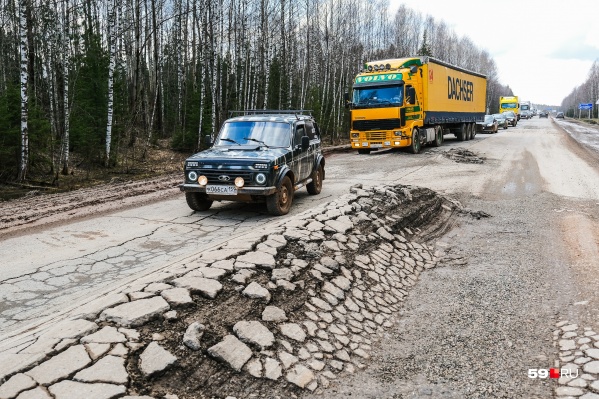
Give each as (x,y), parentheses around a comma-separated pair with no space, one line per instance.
(66,48)
(23,11)
(112,23)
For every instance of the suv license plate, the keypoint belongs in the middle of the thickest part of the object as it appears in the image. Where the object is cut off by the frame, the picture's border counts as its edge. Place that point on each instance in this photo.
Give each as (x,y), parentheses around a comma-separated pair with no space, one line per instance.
(222,190)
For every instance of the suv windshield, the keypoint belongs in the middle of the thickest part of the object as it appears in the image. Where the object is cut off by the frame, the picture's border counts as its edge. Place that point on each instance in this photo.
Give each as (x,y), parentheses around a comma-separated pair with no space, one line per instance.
(378,95)
(272,134)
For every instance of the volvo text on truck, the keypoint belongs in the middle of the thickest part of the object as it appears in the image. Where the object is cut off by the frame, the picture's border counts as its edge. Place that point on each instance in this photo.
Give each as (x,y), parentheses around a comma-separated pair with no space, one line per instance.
(410,102)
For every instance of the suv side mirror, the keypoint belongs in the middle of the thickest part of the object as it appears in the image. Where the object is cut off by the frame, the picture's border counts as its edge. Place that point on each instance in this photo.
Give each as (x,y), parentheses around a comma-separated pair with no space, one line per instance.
(305,143)
(208,141)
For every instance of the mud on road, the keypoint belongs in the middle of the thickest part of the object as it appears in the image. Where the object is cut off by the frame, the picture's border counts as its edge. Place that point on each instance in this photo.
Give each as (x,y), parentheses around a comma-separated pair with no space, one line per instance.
(40,209)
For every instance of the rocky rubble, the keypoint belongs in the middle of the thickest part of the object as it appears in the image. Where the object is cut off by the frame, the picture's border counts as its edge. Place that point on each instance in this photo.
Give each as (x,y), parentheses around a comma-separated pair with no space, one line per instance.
(280,311)
(460,155)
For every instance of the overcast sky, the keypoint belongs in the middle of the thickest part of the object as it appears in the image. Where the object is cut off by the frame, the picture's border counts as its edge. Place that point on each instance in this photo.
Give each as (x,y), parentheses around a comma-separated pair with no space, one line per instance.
(542,49)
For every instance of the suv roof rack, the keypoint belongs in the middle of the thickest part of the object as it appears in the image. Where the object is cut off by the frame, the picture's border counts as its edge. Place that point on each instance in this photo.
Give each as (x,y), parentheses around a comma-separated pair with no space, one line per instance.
(271,111)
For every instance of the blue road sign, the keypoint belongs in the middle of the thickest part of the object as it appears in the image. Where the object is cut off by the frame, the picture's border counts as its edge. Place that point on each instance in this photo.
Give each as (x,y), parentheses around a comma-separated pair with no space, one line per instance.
(585,106)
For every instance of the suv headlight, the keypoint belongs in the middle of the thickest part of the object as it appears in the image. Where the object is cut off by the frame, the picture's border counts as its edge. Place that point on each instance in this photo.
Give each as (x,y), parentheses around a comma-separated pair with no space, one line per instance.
(260,178)
(261,166)
(193,176)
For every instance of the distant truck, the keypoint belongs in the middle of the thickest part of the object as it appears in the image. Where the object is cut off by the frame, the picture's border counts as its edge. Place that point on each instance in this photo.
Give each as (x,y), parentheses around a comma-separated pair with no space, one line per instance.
(410,102)
(510,103)
(526,110)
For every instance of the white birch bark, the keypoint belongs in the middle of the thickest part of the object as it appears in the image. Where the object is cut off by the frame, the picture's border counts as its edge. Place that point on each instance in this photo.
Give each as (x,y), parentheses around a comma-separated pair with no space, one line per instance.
(112,24)
(24,82)
(64,158)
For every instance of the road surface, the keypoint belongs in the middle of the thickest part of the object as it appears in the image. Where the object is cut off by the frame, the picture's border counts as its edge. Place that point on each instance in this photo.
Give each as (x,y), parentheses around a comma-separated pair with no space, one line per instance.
(508,282)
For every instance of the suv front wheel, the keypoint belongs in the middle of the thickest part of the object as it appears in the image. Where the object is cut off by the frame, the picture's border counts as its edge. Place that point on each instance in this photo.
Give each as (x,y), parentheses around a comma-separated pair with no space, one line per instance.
(198,201)
(279,203)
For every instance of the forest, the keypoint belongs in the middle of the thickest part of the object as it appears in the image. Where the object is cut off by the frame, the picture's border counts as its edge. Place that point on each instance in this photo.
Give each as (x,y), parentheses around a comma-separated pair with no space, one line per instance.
(587,92)
(90,87)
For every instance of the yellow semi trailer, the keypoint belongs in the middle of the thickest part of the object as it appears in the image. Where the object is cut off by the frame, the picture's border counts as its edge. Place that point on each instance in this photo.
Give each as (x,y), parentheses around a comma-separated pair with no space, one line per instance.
(409,102)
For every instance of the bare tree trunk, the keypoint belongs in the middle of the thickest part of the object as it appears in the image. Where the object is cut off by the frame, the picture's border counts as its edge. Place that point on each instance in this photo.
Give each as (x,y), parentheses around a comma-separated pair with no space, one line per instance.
(65,76)
(201,58)
(23,5)
(112,35)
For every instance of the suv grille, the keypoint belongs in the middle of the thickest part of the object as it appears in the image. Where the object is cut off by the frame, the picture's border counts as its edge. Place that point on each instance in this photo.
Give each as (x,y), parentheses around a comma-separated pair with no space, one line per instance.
(213,175)
(376,124)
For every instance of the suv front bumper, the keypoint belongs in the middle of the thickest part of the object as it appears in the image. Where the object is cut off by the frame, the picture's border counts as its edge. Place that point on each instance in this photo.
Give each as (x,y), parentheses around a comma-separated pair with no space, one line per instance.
(187,187)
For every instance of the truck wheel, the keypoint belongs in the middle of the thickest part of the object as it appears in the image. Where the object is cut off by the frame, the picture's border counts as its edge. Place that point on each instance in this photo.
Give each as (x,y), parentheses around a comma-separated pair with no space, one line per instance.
(279,203)
(462,132)
(438,136)
(316,185)
(472,131)
(198,201)
(364,152)
(415,146)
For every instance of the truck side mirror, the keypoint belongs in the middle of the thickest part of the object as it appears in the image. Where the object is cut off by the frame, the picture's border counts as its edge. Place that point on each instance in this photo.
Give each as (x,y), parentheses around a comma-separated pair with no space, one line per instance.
(305,143)
(346,99)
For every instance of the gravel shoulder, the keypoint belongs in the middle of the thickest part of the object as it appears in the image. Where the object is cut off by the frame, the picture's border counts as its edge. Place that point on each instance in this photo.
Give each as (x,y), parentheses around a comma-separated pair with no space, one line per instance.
(473,327)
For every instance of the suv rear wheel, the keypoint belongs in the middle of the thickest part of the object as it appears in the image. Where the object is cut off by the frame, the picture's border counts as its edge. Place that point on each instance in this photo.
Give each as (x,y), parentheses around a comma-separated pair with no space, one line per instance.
(198,201)
(316,185)
(279,203)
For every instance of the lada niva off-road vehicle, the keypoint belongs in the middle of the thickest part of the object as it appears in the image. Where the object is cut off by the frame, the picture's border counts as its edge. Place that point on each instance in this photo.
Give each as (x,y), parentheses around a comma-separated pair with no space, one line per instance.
(259,156)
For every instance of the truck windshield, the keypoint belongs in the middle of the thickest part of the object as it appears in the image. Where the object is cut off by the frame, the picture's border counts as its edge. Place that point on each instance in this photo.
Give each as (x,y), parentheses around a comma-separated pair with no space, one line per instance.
(273,134)
(378,96)
(509,105)
(524,107)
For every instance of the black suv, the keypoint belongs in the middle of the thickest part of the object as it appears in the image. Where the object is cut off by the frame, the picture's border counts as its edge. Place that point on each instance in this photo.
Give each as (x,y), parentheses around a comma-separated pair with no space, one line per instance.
(260,156)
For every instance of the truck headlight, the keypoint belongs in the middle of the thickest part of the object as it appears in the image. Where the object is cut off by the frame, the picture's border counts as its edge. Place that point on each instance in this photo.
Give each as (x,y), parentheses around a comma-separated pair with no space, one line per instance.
(193,176)
(260,178)
(397,133)
(355,135)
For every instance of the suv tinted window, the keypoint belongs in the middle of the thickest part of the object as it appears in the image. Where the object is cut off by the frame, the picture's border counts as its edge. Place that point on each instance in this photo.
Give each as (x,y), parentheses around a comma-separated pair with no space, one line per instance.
(272,133)
(299,133)
(310,130)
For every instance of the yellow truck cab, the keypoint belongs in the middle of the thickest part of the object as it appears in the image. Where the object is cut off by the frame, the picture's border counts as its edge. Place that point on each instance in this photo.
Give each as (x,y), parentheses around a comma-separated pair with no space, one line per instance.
(509,103)
(410,102)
